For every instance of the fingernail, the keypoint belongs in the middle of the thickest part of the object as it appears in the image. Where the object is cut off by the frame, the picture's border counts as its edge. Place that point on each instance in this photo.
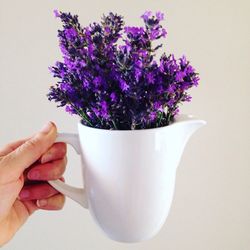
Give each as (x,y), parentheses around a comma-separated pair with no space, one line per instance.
(34,175)
(41,203)
(24,194)
(46,128)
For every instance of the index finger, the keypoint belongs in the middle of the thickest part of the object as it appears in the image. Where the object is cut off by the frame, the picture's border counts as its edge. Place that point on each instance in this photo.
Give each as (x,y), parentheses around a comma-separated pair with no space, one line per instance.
(12,146)
(13,164)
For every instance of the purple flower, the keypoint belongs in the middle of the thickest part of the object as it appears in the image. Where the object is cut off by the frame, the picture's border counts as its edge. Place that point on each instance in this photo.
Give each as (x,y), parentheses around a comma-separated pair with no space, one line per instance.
(91,50)
(195,80)
(138,74)
(56,13)
(189,69)
(171,103)
(150,77)
(146,15)
(104,110)
(158,106)
(139,64)
(134,31)
(97,81)
(110,75)
(171,88)
(183,61)
(154,34)
(175,112)
(65,87)
(85,83)
(70,110)
(164,33)
(70,33)
(160,15)
(185,85)
(113,97)
(187,98)
(96,111)
(160,90)
(123,85)
(179,76)
(152,116)
(107,30)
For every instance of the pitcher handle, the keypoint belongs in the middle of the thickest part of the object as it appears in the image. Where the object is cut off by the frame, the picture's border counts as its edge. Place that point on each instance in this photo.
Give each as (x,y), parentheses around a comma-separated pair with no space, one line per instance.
(76,194)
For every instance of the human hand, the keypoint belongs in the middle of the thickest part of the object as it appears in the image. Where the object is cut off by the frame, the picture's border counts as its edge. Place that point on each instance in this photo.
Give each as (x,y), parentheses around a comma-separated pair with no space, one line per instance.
(25,166)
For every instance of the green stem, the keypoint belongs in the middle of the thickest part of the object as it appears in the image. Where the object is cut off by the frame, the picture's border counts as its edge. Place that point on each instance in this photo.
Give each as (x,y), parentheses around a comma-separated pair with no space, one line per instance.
(168,117)
(161,114)
(81,114)
(85,118)
(114,124)
(98,118)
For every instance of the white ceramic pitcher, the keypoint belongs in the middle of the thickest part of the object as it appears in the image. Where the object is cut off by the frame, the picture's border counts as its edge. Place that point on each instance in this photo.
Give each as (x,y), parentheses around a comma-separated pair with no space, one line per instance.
(129,175)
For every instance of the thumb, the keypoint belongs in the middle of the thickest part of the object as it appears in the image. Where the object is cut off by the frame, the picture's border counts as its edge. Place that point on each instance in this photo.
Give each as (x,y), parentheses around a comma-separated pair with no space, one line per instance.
(13,164)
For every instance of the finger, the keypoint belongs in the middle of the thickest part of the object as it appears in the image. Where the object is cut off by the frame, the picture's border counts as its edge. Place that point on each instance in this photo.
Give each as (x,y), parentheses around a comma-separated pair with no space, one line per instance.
(56,152)
(12,146)
(48,171)
(13,164)
(37,192)
(26,171)
(23,209)
(55,202)
(8,194)
(30,206)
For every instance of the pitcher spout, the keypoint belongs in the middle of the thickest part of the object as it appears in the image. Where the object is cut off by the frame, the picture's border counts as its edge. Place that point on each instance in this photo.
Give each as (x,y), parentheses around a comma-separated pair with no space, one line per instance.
(190,124)
(179,133)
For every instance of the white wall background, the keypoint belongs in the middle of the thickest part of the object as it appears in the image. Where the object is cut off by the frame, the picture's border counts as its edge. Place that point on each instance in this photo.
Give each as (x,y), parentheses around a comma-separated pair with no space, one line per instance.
(211,207)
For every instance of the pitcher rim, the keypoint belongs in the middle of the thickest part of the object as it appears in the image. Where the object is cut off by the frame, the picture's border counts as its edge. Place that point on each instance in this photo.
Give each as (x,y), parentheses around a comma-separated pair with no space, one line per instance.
(180,119)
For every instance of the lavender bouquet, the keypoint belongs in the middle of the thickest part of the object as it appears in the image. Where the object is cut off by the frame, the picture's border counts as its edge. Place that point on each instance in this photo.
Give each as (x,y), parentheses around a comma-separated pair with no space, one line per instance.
(110,78)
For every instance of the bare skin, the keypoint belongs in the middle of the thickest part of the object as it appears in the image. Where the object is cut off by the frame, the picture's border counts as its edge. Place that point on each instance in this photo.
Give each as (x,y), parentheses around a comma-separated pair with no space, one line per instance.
(25,166)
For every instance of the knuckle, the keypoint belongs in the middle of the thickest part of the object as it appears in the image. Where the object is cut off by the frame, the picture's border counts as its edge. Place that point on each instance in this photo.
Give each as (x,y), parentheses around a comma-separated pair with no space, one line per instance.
(57,151)
(56,174)
(33,146)
(10,146)
(32,143)
(5,160)
(59,169)
(4,165)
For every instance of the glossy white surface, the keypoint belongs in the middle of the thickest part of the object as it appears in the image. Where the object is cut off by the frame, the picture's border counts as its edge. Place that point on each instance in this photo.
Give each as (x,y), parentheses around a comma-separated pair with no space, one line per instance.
(129,176)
